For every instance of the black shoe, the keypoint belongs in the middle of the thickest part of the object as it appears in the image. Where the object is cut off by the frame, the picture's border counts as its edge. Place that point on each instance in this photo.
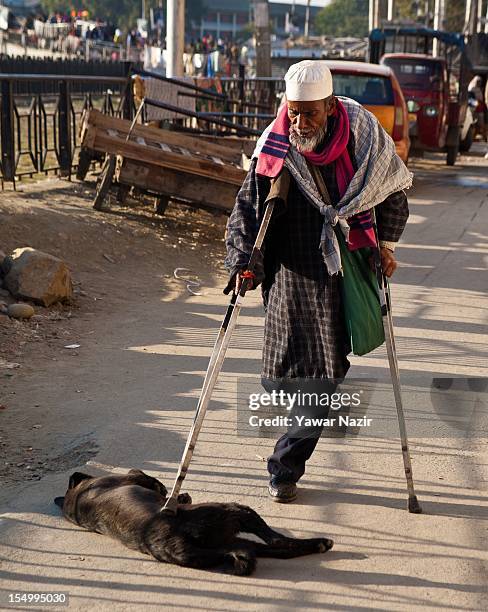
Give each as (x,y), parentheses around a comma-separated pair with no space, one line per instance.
(282,492)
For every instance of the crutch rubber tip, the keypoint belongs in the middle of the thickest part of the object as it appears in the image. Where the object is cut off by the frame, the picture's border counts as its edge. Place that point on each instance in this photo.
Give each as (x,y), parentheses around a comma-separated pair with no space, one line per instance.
(168,511)
(413,505)
(170,507)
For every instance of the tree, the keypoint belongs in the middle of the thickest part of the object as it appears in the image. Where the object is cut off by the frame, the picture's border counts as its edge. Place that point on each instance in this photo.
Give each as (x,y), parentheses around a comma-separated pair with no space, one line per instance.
(350,17)
(343,18)
(455,12)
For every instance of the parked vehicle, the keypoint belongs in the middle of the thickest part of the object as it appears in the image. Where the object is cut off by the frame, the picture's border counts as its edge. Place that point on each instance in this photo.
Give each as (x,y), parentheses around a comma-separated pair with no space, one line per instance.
(378,90)
(425,85)
(435,88)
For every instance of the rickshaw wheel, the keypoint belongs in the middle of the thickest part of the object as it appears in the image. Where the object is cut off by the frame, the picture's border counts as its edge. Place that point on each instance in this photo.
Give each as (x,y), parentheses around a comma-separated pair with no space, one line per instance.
(122,193)
(84,161)
(452,153)
(160,204)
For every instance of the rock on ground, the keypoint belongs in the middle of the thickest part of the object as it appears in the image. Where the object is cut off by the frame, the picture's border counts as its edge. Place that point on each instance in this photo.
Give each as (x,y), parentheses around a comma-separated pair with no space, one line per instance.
(39,276)
(20,311)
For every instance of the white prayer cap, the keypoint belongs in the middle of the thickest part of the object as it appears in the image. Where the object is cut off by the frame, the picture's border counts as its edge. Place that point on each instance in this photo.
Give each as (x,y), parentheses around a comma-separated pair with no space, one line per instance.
(308,80)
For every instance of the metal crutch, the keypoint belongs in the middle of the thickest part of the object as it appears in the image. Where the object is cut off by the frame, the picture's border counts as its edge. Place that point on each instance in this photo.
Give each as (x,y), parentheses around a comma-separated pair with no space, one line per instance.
(217,359)
(385,302)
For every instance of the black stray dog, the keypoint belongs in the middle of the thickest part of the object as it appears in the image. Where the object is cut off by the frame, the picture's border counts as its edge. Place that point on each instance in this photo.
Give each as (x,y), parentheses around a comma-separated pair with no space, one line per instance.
(198,535)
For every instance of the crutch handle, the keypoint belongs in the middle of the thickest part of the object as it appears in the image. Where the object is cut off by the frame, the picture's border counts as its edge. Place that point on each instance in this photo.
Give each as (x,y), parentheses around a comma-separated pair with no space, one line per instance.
(246,275)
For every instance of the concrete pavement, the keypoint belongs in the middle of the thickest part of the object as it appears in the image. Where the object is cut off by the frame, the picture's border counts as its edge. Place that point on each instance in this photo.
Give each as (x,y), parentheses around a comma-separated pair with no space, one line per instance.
(144,375)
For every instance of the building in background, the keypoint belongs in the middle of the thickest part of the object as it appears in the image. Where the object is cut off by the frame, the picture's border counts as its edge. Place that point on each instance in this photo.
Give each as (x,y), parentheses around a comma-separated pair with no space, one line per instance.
(22,8)
(229,19)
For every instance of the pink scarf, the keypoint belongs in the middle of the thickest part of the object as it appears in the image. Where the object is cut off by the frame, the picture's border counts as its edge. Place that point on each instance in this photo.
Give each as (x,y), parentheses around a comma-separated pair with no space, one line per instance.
(336,151)
(275,148)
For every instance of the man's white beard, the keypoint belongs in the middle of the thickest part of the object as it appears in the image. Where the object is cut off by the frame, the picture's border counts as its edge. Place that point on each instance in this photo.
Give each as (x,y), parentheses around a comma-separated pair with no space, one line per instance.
(306,145)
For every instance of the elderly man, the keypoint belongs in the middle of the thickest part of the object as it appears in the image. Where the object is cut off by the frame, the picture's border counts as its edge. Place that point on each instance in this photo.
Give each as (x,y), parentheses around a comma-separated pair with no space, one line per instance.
(305,338)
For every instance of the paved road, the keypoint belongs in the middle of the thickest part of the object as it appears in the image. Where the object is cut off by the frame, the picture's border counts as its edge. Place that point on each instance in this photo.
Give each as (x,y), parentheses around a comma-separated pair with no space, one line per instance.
(144,375)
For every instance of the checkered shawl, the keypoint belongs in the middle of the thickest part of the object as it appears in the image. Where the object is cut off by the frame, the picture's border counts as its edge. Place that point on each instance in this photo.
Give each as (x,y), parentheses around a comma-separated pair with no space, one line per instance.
(380,173)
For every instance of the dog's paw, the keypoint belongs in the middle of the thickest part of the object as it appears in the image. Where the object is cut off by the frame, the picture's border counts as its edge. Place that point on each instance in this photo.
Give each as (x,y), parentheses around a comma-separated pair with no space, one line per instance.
(324,545)
(243,561)
(184,498)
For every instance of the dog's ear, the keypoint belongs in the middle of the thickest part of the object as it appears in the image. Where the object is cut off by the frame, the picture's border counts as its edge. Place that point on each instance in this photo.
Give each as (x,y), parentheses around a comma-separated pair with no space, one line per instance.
(150,482)
(59,501)
(134,472)
(76,478)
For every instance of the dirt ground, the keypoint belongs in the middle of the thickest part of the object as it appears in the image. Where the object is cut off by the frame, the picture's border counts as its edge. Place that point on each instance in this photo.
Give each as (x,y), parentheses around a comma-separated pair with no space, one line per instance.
(114,259)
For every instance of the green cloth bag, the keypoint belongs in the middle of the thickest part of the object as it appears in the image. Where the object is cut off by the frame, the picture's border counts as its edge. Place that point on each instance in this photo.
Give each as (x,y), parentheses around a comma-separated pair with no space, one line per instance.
(361,303)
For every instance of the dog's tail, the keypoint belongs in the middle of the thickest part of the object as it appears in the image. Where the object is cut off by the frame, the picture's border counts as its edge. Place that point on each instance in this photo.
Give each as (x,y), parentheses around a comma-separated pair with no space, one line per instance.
(59,501)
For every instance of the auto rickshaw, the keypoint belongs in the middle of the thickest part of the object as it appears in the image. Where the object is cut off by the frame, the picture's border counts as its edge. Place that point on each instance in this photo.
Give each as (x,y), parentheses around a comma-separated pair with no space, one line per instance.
(425,86)
(435,88)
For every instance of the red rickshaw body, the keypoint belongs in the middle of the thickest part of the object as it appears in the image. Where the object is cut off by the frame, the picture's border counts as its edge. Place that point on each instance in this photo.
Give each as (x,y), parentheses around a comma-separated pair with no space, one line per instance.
(425,85)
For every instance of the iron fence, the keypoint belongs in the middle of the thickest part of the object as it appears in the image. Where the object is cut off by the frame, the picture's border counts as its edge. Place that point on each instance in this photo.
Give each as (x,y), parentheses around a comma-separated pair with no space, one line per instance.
(245,103)
(39,132)
(264,91)
(61,68)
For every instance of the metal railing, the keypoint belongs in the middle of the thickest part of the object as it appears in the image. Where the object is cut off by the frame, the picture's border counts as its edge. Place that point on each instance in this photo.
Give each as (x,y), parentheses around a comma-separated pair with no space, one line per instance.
(250,103)
(64,46)
(263,91)
(61,68)
(39,132)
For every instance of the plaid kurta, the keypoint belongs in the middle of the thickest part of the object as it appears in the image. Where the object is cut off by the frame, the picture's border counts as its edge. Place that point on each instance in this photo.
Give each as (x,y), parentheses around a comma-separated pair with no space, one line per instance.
(304,330)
